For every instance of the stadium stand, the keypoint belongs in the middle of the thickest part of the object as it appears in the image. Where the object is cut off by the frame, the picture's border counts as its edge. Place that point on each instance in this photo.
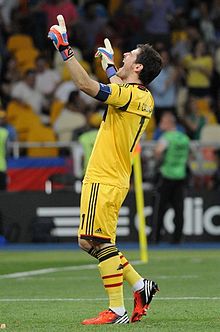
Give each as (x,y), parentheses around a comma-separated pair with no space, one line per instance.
(22,41)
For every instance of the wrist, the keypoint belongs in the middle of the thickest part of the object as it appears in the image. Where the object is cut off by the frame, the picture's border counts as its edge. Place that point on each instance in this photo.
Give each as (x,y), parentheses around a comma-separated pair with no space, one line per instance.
(66,52)
(111,70)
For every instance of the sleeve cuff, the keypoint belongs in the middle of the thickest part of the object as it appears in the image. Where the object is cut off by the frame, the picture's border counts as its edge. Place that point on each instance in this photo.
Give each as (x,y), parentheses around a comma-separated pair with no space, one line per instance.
(67,53)
(111,71)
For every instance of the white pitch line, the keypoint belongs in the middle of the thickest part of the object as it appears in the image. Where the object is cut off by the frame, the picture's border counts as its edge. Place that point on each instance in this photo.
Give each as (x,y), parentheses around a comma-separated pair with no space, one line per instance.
(27,274)
(196,298)
(45,271)
(72,277)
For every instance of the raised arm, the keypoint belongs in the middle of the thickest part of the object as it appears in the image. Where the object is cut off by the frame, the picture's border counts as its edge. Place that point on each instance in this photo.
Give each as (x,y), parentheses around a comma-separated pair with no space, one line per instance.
(58,35)
(81,78)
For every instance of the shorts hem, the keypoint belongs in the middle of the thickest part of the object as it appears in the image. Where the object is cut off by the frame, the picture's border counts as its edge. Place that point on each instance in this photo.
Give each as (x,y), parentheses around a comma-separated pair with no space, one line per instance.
(95,238)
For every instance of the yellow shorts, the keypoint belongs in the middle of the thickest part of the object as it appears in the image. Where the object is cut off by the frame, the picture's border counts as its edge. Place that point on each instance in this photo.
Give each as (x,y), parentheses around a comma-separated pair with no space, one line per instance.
(99,208)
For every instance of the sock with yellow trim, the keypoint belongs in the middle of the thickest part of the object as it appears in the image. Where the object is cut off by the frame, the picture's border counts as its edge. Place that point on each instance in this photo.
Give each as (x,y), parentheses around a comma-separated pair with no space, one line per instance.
(130,274)
(112,277)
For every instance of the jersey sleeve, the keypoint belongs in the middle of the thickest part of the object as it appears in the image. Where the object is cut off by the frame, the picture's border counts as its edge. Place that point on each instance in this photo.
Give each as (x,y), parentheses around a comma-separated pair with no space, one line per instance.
(120,95)
(117,95)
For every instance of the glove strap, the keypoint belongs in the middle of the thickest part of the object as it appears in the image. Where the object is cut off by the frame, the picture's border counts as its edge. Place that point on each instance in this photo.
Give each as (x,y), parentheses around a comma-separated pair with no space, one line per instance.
(111,71)
(66,53)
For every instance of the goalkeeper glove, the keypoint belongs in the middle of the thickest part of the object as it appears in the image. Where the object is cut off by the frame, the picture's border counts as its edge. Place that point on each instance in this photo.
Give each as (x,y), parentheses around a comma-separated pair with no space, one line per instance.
(58,35)
(107,53)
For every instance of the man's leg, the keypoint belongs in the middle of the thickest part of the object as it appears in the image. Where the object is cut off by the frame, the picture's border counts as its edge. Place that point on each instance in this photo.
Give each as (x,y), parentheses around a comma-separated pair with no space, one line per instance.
(130,274)
(178,205)
(143,289)
(112,278)
(161,203)
(97,234)
(113,265)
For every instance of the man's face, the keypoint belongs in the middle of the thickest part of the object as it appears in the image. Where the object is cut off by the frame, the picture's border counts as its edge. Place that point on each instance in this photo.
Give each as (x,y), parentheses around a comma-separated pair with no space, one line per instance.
(31,79)
(129,59)
(41,65)
(166,122)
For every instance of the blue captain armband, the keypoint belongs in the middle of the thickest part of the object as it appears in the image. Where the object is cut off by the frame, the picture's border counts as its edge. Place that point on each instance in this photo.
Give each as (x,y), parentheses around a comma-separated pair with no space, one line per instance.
(104,92)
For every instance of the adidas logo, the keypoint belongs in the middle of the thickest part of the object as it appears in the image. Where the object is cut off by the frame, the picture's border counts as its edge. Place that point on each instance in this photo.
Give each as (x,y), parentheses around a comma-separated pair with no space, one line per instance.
(120,267)
(99,230)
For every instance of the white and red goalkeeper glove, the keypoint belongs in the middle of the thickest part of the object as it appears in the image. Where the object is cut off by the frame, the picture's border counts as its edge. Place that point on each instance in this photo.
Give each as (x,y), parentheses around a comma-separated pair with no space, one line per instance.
(107,55)
(58,35)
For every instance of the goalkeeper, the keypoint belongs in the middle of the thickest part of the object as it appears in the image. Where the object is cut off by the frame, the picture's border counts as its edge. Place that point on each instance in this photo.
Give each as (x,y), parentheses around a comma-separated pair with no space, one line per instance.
(106,181)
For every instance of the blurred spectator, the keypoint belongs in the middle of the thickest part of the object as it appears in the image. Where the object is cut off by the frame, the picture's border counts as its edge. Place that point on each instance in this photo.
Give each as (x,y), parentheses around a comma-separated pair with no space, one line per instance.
(192,119)
(19,37)
(20,43)
(164,86)
(52,8)
(6,8)
(10,75)
(113,6)
(12,134)
(25,92)
(217,107)
(71,117)
(157,17)
(182,46)
(158,132)
(127,22)
(87,29)
(215,16)
(3,38)
(64,89)
(43,14)
(206,25)
(199,66)
(171,152)
(3,152)
(215,85)
(181,5)
(37,21)
(47,79)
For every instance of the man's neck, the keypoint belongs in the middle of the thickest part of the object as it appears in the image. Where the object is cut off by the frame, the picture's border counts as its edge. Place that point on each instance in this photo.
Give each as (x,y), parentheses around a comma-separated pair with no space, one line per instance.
(132,79)
(129,79)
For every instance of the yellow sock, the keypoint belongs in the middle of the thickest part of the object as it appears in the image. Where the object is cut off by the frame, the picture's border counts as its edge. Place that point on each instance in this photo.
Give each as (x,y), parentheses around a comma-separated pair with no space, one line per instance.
(129,273)
(112,275)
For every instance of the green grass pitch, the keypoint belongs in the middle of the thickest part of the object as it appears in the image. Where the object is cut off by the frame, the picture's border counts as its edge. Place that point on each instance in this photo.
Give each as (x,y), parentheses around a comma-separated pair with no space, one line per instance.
(68,291)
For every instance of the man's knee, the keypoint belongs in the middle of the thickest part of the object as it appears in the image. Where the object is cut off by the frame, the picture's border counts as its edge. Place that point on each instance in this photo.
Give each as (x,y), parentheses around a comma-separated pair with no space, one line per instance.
(100,245)
(84,244)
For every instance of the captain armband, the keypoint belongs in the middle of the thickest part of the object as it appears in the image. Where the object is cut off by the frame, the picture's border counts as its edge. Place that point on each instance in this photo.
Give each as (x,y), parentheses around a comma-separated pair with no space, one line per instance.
(104,92)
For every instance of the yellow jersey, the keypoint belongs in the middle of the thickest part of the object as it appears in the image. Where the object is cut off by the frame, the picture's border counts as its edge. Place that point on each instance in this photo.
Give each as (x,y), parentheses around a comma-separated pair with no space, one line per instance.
(195,77)
(129,110)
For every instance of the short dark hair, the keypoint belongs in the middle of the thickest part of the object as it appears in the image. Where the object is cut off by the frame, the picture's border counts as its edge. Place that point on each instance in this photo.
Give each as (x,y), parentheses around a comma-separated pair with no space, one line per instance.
(151,61)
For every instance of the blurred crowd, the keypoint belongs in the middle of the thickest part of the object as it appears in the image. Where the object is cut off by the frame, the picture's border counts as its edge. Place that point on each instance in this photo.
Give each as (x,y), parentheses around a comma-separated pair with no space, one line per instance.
(39,102)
